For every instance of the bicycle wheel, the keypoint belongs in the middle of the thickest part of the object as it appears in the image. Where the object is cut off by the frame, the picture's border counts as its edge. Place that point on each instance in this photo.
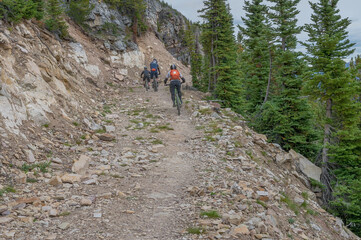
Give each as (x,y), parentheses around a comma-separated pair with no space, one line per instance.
(147,84)
(177,101)
(156,86)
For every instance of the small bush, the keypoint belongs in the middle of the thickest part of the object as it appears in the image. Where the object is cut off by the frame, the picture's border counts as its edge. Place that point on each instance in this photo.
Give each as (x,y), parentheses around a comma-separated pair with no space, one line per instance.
(42,167)
(196,230)
(7,190)
(211,214)
(79,11)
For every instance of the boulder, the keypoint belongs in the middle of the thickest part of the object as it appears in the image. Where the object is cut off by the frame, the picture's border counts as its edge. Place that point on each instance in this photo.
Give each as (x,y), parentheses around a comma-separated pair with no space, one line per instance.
(55,181)
(81,166)
(106,137)
(71,178)
(309,169)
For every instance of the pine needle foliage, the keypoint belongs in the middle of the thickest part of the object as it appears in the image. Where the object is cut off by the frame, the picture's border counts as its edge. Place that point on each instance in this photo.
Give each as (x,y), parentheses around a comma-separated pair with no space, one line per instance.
(220,49)
(334,86)
(18,10)
(54,20)
(256,41)
(286,117)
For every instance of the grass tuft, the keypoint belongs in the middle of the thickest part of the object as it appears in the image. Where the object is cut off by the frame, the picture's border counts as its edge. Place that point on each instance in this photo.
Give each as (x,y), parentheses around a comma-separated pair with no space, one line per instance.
(196,230)
(211,214)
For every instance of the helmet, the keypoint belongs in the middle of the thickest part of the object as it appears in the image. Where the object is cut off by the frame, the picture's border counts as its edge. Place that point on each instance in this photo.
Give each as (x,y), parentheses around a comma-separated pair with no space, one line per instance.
(173,66)
(145,68)
(155,60)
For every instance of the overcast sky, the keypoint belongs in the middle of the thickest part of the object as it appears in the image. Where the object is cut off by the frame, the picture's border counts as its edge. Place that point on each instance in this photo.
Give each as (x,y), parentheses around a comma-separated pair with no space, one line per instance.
(348,8)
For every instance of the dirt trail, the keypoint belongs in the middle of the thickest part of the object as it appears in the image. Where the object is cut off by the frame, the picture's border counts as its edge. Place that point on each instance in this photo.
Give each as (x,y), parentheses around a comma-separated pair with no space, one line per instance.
(155,205)
(160,215)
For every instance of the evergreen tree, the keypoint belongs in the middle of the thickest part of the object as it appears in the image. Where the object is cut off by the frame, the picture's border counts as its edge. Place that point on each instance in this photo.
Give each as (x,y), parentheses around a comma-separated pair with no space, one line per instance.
(192,43)
(257,43)
(55,22)
(285,117)
(220,48)
(79,11)
(17,10)
(332,84)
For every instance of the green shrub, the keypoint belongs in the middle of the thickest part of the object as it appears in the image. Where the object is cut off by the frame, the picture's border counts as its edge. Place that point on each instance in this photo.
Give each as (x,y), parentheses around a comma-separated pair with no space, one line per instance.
(211,214)
(17,10)
(79,11)
(55,22)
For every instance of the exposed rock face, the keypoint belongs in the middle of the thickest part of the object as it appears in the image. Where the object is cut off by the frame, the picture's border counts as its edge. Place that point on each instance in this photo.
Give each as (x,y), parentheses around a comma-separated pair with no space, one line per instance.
(170,26)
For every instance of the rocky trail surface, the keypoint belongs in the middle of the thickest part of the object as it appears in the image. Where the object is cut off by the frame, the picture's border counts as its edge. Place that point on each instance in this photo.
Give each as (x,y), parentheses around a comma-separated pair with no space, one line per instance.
(150,174)
(87,153)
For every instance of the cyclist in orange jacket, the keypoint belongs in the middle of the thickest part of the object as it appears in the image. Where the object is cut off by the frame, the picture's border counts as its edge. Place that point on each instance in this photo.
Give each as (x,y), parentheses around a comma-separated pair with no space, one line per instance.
(174,76)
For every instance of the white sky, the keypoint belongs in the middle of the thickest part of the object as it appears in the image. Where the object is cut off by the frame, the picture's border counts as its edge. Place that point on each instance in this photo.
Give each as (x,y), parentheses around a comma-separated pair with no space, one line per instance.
(348,8)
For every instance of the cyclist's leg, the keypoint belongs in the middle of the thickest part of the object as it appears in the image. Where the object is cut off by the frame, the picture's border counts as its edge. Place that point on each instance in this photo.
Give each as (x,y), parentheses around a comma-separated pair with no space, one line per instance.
(172,86)
(152,75)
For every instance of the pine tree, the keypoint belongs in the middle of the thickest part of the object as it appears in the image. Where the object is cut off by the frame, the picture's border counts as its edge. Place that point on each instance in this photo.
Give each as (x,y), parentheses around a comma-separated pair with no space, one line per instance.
(192,43)
(332,84)
(79,11)
(55,22)
(285,117)
(17,10)
(220,48)
(257,43)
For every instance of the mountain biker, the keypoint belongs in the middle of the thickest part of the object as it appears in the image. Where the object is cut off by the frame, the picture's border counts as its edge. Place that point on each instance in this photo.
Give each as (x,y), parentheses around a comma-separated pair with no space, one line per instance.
(175,76)
(154,69)
(146,76)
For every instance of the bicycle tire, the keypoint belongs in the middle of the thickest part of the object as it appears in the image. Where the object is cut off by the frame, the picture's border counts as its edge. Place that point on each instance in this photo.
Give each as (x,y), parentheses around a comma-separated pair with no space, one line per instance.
(155,82)
(177,101)
(147,84)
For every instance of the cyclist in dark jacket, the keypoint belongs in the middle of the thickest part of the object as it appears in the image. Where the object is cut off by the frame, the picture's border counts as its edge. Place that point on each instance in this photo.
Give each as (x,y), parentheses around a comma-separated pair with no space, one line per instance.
(146,76)
(154,69)
(175,76)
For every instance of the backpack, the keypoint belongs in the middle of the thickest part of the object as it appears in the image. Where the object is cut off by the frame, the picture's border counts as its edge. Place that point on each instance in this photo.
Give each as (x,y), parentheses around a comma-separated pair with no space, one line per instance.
(174,74)
(153,66)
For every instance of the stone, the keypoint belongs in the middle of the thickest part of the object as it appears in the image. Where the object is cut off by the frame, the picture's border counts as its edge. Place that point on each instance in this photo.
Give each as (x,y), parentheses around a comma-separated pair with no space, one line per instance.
(5,42)
(29,156)
(55,181)
(21,178)
(121,194)
(64,225)
(27,200)
(110,128)
(85,202)
(105,195)
(81,166)
(240,230)
(53,213)
(282,158)
(309,169)
(71,178)
(4,220)
(9,234)
(106,137)
(91,181)
(93,70)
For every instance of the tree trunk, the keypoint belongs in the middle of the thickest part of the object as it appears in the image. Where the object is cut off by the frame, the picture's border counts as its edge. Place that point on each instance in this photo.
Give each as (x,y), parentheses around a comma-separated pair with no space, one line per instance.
(325,175)
(269,77)
(135,29)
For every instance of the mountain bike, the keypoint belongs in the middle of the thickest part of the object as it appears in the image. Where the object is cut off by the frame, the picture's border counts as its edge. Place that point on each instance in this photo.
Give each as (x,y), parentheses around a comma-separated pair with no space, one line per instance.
(155,84)
(177,101)
(146,84)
